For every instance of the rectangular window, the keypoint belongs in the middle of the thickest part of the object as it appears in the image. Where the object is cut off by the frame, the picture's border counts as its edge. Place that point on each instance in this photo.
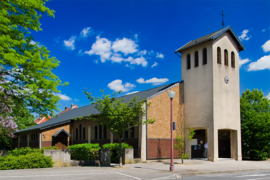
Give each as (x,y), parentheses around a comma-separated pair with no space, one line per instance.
(76,134)
(132,132)
(126,134)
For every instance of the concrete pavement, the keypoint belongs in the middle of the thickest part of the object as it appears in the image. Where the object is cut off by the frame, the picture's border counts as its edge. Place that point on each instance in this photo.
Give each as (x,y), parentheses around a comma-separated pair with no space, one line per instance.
(150,170)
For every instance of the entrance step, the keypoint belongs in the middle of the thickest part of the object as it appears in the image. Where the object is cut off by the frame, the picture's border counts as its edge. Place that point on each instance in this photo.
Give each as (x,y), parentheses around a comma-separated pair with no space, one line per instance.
(226,159)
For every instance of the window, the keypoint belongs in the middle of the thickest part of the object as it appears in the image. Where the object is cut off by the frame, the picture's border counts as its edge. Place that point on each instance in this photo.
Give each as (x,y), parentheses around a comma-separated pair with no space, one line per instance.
(204,56)
(104,132)
(95,132)
(232,60)
(34,137)
(76,134)
(225,57)
(15,140)
(100,132)
(132,132)
(80,132)
(218,55)
(188,61)
(196,59)
(24,138)
(126,134)
(83,133)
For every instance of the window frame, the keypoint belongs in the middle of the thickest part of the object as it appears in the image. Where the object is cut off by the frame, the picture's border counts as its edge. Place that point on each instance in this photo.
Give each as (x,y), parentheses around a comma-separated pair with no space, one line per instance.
(204,56)
(232,59)
(219,55)
(226,59)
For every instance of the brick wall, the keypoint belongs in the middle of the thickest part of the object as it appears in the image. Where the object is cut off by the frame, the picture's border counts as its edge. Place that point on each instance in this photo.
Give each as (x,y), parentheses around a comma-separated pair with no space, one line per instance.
(48,133)
(159,133)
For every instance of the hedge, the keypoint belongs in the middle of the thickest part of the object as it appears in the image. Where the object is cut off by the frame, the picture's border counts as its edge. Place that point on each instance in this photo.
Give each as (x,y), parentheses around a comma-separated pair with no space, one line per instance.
(28,150)
(86,151)
(114,148)
(32,160)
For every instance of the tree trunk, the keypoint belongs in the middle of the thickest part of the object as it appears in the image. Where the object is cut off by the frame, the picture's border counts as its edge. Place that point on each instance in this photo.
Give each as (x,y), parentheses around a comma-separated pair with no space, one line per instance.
(120,151)
(182,161)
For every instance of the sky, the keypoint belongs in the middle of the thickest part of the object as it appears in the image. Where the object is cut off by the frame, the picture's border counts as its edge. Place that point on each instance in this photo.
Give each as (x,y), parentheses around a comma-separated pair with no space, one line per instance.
(129,45)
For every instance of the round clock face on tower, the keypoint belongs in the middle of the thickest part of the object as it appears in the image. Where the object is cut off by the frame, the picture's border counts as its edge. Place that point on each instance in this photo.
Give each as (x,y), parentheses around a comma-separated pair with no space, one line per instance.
(226,79)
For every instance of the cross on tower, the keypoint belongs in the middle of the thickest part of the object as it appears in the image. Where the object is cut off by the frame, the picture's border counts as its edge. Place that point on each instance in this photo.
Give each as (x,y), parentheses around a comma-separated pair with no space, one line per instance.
(222,19)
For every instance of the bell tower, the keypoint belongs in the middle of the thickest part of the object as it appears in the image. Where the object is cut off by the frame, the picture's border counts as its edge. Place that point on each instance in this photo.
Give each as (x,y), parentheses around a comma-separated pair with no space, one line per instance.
(210,71)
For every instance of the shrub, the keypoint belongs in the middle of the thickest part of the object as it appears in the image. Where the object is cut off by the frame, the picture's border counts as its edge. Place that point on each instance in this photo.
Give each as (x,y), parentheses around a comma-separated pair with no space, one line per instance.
(33,160)
(28,150)
(85,151)
(114,148)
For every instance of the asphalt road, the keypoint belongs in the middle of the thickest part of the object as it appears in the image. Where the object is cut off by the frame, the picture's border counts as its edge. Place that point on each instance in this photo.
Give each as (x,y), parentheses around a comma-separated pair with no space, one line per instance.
(256,175)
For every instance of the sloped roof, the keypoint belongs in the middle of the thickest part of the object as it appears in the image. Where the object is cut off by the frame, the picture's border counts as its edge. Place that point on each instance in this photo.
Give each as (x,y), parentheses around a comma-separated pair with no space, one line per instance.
(210,37)
(90,109)
(42,119)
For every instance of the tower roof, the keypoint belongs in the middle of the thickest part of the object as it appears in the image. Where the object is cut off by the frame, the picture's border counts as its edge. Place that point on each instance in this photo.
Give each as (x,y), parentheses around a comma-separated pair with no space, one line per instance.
(210,37)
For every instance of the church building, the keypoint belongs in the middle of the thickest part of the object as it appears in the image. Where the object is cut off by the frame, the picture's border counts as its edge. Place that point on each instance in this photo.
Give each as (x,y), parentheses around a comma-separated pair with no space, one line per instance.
(207,99)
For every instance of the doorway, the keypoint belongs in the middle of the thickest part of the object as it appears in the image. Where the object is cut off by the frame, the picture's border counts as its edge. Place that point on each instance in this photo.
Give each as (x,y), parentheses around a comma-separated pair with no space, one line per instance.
(60,141)
(197,145)
(224,143)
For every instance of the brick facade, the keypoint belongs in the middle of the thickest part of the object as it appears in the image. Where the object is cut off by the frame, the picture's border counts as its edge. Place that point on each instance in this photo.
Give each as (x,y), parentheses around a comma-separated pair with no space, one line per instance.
(159,133)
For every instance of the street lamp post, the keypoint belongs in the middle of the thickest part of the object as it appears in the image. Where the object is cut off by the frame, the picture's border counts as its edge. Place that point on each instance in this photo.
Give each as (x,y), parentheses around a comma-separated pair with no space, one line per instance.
(171,95)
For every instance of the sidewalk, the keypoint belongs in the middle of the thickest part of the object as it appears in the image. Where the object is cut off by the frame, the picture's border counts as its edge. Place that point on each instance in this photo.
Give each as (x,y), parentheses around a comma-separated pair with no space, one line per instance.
(202,166)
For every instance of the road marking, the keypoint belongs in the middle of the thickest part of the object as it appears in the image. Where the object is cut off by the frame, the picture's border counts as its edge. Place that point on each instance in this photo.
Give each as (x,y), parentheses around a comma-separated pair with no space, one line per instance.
(127,175)
(51,175)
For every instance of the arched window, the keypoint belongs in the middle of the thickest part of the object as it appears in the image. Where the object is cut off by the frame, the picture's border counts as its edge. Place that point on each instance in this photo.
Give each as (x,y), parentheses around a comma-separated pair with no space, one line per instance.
(95,132)
(76,134)
(132,132)
(100,132)
(104,132)
(188,61)
(83,133)
(218,55)
(232,60)
(225,57)
(196,59)
(80,132)
(204,56)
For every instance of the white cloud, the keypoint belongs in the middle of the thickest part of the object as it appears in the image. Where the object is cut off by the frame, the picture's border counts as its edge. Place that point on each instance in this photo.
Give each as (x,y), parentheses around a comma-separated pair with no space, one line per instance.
(155,64)
(86,32)
(132,92)
(64,97)
(266,46)
(101,47)
(261,64)
(136,37)
(96,61)
(263,30)
(126,46)
(159,55)
(153,81)
(70,44)
(268,96)
(243,61)
(143,52)
(244,35)
(76,100)
(118,58)
(117,85)
(141,60)
(32,42)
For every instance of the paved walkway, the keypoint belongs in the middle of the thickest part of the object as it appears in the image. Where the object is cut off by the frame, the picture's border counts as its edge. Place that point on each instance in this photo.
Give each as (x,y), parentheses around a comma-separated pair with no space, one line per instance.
(150,170)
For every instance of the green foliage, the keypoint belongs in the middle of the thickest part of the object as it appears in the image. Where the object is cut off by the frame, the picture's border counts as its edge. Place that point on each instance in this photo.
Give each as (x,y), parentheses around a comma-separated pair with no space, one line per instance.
(180,141)
(255,124)
(114,149)
(32,160)
(118,115)
(27,65)
(29,150)
(86,151)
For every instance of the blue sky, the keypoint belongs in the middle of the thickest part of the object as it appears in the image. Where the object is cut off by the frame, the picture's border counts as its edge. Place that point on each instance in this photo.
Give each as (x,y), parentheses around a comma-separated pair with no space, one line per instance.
(129,45)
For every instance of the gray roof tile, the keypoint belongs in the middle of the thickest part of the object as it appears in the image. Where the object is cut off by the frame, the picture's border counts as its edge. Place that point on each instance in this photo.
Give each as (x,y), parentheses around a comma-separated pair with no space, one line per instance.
(90,109)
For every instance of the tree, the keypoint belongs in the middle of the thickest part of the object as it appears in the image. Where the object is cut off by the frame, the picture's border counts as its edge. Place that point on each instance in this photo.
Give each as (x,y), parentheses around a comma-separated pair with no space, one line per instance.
(180,141)
(24,64)
(255,124)
(118,115)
